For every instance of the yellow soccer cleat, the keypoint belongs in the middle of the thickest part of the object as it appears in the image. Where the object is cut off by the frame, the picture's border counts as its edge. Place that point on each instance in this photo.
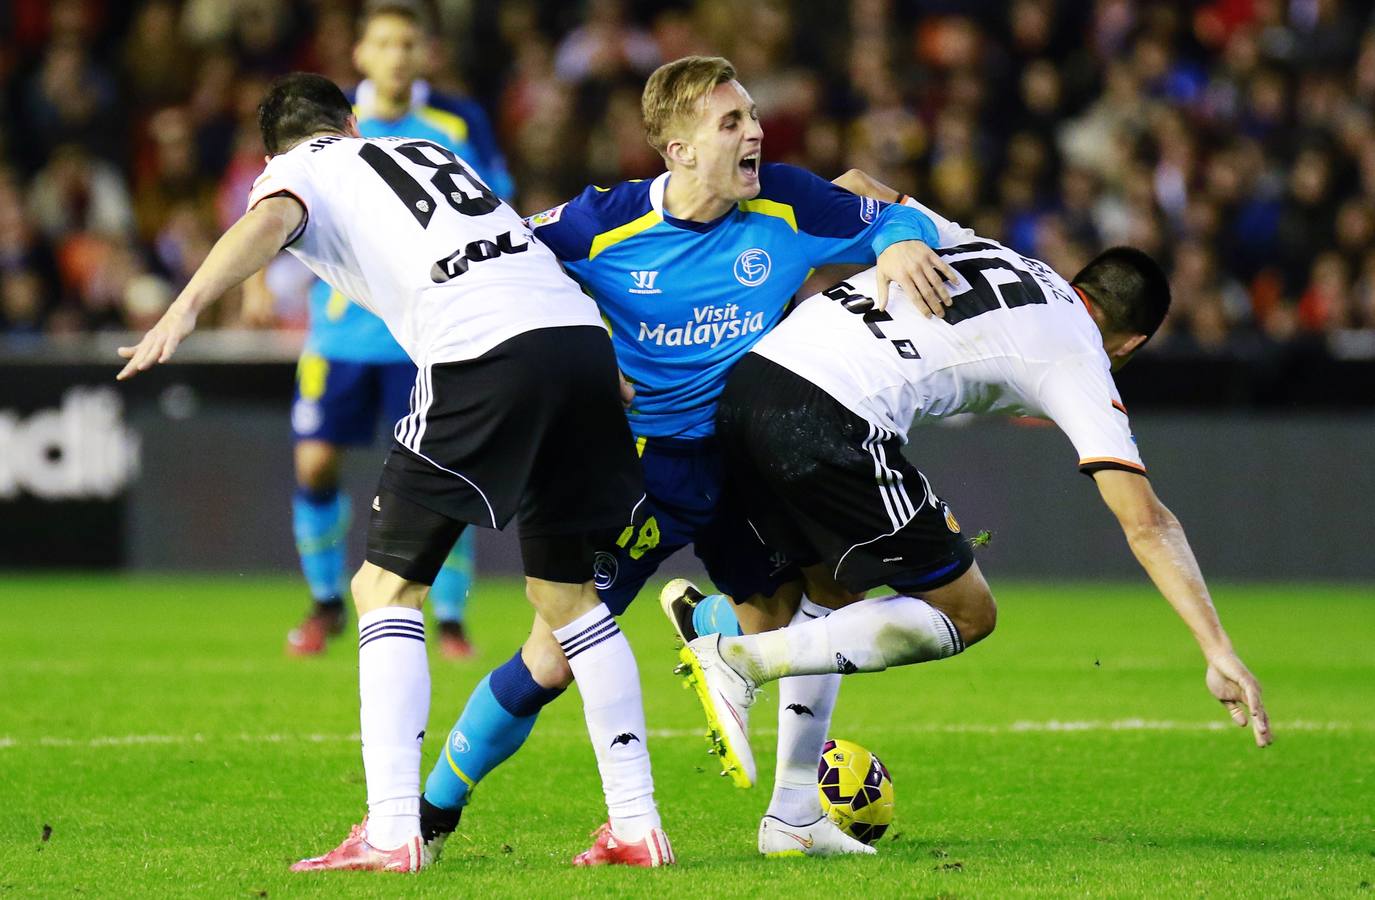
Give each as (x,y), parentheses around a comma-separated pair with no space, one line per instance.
(726,697)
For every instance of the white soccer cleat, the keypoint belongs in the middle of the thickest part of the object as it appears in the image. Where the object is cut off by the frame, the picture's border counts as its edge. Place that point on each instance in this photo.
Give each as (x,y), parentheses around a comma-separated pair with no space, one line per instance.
(821,838)
(726,699)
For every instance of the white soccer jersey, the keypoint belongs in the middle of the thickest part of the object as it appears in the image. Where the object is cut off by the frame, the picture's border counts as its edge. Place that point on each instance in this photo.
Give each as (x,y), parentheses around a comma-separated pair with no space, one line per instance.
(1017,340)
(408,230)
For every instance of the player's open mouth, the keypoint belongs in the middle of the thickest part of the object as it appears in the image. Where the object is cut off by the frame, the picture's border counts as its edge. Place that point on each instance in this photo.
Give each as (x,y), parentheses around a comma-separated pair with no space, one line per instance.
(750,165)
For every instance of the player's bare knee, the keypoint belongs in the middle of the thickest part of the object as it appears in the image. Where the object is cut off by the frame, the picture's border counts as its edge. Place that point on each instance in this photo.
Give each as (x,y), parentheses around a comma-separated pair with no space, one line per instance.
(544,658)
(832,596)
(977,619)
(548,666)
(767,613)
(375,588)
(559,603)
(317,465)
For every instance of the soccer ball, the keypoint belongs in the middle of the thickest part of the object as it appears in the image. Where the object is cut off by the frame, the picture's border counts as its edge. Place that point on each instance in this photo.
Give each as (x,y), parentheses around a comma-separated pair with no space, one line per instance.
(856,791)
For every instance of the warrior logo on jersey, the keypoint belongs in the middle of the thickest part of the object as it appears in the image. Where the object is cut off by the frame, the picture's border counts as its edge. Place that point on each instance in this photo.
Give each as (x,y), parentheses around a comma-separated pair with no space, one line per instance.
(752,267)
(644,282)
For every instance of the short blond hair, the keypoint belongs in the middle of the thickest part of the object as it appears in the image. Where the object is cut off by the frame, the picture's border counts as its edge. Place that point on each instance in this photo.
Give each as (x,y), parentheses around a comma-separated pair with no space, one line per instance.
(676,90)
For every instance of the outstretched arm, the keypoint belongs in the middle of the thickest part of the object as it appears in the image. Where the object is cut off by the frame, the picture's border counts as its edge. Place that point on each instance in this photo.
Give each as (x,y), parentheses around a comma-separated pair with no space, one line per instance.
(912,264)
(242,250)
(856,182)
(1158,540)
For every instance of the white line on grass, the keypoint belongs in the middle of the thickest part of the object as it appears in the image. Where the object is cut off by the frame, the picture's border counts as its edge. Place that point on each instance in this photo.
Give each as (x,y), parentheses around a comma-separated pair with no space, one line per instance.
(1052,726)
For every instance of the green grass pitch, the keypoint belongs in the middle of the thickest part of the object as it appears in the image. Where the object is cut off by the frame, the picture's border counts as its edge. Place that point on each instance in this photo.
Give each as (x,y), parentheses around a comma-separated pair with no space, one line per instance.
(157,728)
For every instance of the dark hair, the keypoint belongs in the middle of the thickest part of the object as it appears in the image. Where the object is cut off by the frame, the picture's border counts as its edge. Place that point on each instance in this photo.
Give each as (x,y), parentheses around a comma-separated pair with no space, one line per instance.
(299,105)
(412,10)
(1128,287)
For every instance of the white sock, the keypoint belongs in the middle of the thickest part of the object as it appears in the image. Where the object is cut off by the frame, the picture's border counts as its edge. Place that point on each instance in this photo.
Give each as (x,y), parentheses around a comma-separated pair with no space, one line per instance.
(394,699)
(868,636)
(609,682)
(805,703)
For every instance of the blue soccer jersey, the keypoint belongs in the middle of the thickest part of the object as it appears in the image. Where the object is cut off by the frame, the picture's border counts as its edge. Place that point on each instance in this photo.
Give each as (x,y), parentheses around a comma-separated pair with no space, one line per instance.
(685,300)
(343,330)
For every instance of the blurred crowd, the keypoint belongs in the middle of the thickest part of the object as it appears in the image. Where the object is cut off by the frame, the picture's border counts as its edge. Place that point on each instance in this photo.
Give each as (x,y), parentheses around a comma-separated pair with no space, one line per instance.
(1233,139)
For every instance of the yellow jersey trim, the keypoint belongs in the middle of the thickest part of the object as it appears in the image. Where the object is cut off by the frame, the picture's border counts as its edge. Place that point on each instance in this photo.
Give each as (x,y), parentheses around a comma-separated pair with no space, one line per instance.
(773,208)
(608,239)
(336,306)
(444,121)
(601,190)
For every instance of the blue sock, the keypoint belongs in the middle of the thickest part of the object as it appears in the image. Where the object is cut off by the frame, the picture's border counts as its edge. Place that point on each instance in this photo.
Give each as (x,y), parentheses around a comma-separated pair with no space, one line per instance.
(320,520)
(715,614)
(494,724)
(449,595)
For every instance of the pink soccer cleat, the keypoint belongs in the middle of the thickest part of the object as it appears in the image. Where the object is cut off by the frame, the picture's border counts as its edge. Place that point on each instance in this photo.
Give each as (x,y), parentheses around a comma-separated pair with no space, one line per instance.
(651,851)
(453,641)
(356,853)
(324,621)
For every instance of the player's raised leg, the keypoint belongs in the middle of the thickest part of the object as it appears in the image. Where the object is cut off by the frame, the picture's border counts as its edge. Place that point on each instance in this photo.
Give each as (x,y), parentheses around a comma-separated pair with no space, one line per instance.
(867,636)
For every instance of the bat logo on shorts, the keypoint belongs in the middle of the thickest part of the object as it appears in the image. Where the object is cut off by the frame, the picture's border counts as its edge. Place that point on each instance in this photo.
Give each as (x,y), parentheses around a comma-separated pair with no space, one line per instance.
(625,738)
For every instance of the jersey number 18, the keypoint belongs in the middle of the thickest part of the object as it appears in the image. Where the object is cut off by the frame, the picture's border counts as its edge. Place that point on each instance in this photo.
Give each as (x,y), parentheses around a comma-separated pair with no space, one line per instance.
(473,198)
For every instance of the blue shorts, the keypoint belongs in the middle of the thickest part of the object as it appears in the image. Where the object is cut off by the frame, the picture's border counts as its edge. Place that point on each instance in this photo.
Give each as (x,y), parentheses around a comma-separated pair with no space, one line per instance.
(686,503)
(339,402)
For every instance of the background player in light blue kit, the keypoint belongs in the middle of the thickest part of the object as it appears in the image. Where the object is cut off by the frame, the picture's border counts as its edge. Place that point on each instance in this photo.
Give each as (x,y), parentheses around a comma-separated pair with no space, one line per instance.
(352,370)
(689,270)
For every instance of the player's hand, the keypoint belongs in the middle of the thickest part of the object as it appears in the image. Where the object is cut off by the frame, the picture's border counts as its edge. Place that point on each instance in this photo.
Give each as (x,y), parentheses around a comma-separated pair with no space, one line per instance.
(1237,689)
(159,343)
(920,272)
(627,391)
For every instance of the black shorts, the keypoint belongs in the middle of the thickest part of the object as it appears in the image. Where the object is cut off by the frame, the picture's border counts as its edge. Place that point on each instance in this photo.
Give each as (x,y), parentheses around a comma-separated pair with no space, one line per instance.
(822,485)
(533,428)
